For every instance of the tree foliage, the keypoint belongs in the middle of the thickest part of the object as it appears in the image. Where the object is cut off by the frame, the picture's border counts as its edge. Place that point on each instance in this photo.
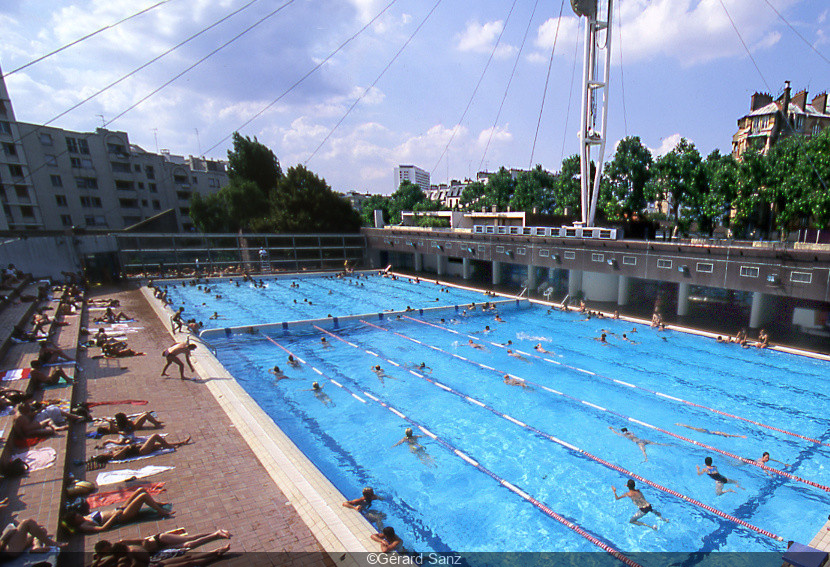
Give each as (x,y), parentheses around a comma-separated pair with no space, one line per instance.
(252,161)
(625,179)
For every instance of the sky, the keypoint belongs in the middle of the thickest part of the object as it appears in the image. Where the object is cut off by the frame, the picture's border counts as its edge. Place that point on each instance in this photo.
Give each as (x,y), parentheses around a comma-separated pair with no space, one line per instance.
(411,88)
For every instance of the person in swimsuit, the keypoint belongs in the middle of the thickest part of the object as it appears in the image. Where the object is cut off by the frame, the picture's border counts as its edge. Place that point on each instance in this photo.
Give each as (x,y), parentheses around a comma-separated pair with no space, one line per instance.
(177,538)
(475,345)
(82,521)
(27,535)
(320,394)
(516,355)
(387,538)
(641,443)
(719,479)
(416,448)
(172,355)
(639,501)
(364,501)
(278,374)
(540,348)
(510,381)
(293,361)
(153,443)
(765,458)
(702,430)
(126,427)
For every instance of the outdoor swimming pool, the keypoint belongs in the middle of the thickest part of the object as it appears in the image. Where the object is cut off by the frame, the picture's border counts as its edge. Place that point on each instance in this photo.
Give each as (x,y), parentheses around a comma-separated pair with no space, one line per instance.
(503,466)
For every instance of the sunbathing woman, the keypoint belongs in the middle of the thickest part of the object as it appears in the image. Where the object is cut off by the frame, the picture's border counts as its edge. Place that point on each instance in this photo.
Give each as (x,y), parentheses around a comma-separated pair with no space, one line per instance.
(152,444)
(118,555)
(126,427)
(177,538)
(82,521)
(27,535)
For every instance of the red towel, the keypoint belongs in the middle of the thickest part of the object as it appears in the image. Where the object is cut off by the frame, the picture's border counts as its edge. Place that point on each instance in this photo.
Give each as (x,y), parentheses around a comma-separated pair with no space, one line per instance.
(122,494)
(26,442)
(118,402)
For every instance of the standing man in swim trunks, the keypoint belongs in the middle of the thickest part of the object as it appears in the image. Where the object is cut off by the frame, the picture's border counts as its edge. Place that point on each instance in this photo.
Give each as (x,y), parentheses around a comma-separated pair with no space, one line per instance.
(719,479)
(641,443)
(639,501)
(172,355)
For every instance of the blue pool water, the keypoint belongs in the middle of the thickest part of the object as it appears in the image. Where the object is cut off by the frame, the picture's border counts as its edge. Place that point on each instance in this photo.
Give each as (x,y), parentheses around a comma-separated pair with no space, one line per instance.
(241,303)
(438,501)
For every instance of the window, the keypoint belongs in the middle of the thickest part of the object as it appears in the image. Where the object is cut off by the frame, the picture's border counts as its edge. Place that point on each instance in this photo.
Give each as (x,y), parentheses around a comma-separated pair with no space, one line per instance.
(544,253)
(46,139)
(129,221)
(184,210)
(570,255)
(72,145)
(749,272)
(2,108)
(91,202)
(95,220)
(156,205)
(120,167)
(153,188)
(22,193)
(118,149)
(705,267)
(801,277)
(629,261)
(665,264)
(149,172)
(144,202)
(128,203)
(183,195)
(80,163)
(180,179)
(124,185)
(816,128)
(51,160)
(66,220)
(799,122)
(57,180)
(60,200)
(5,128)
(27,212)
(86,183)
(212,166)
(195,180)
(83,146)
(9,149)
(141,185)
(213,182)
(75,162)
(499,249)
(521,251)
(15,170)
(597,257)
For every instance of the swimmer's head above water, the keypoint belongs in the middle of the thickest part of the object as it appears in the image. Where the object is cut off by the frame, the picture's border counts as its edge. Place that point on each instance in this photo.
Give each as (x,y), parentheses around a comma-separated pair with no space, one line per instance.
(408,432)
(315,386)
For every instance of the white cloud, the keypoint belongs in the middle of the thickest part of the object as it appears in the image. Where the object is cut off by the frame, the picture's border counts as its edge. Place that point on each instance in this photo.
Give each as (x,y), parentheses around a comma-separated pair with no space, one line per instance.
(481,38)
(667,144)
(546,34)
(499,135)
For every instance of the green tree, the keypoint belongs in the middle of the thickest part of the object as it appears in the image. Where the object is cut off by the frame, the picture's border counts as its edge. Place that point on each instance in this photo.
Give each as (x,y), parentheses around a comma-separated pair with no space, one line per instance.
(404,199)
(237,206)
(625,179)
(370,205)
(566,191)
(817,178)
(677,175)
(472,195)
(534,190)
(304,203)
(209,213)
(252,161)
(753,173)
(712,202)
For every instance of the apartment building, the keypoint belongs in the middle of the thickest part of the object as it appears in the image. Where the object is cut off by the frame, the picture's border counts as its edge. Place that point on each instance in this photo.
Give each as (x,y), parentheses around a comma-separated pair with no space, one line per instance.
(54,179)
(770,120)
(412,174)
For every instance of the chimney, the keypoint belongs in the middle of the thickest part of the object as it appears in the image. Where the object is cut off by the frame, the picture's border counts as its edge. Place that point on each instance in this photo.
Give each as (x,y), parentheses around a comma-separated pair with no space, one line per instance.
(820,103)
(800,100)
(785,107)
(760,100)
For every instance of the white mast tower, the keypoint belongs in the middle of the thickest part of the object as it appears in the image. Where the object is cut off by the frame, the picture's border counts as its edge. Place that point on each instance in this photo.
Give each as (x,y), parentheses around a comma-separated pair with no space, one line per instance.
(592,136)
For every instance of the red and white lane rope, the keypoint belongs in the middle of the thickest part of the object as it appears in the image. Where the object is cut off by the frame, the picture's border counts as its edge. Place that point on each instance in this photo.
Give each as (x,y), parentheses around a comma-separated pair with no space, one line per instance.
(567,445)
(469,460)
(604,409)
(636,387)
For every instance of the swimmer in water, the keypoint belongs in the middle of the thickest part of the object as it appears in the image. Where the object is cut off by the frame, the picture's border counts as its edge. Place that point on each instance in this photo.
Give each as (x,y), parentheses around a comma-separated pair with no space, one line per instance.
(215,315)
(424,368)
(641,443)
(510,381)
(380,373)
(364,501)
(639,501)
(719,479)
(293,361)
(602,339)
(320,394)
(416,448)
(498,319)
(540,348)
(702,430)
(765,458)
(625,338)
(475,345)
(324,343)
(278,374)
(516,355)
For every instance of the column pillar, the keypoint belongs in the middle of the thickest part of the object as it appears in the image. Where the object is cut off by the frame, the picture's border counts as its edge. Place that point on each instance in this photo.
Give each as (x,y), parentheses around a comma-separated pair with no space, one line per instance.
(763,309)
(624,291)
(466,268)
(440,264)
(531,278)
(574,282)
(418,261)
(496,272)
(682,299)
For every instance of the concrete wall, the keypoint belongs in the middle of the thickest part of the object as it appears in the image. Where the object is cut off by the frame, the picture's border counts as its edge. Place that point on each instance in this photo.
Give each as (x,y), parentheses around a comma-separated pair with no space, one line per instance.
(48,256)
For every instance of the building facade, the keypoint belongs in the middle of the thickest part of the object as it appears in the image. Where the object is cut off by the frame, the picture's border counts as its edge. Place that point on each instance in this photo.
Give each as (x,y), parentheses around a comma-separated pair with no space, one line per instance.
(770,120)
(412,174)
(55,179)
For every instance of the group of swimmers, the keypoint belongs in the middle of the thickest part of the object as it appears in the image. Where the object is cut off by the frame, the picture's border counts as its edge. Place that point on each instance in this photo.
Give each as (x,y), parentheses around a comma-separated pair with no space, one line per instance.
(742,340)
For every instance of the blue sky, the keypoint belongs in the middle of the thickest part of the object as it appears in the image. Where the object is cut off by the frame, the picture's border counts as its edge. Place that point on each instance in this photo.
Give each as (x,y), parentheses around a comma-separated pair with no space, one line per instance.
(679,70)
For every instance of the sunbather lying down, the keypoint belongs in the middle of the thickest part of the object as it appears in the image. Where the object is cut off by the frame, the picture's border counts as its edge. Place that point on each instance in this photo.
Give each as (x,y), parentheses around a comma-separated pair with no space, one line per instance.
(80,519)
(152,444)
(177,538)
(122,424)
(118,554)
